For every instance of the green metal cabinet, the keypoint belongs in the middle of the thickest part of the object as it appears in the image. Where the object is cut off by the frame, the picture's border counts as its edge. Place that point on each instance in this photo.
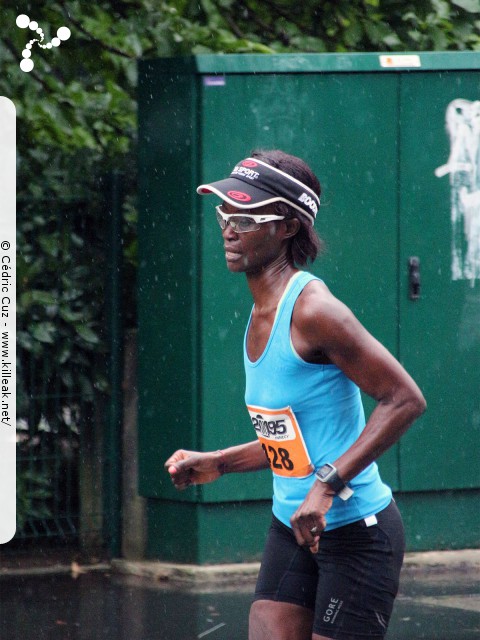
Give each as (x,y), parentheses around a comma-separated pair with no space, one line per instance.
(374,128)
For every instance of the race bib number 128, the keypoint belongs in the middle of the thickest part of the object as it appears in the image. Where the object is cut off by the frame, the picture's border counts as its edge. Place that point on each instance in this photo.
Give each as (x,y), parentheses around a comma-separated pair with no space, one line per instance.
(282,441)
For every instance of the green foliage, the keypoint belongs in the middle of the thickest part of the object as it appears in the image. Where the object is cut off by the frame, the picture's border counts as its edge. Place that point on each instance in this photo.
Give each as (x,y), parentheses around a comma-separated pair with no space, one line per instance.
(59,306)
(33,493)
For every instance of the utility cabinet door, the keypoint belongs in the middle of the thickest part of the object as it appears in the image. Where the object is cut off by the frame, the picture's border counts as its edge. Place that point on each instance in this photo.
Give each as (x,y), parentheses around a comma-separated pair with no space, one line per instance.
(440,224)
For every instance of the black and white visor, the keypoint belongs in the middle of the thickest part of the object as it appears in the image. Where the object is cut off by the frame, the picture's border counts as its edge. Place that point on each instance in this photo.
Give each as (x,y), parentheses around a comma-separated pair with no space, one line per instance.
(254,183)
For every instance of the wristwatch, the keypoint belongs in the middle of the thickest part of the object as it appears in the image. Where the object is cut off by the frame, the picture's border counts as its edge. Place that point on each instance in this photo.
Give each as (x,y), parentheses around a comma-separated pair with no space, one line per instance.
(328,474)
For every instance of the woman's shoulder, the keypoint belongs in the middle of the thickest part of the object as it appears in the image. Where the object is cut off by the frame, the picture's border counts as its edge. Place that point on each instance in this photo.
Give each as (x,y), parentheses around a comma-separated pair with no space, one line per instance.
(318,309)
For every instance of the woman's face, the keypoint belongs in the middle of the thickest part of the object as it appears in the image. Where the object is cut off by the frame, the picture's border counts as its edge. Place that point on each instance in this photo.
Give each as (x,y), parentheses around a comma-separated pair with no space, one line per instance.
(253,251)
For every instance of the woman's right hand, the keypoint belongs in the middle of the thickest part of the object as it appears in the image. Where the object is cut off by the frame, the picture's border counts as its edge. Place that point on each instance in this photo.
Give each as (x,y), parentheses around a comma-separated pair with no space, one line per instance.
(187,468)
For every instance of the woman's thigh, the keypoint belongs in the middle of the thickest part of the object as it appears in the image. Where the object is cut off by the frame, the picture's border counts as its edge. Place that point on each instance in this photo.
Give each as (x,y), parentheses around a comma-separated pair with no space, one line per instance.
(288,572)
(359,568)
(284,600)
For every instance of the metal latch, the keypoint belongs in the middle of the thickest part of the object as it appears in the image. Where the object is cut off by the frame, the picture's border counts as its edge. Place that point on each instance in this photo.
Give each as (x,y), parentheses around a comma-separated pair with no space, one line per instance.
(414,278)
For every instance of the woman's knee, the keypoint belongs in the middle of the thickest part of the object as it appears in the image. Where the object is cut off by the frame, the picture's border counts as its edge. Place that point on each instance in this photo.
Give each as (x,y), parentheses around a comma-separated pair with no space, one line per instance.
(263,619)
(271,620)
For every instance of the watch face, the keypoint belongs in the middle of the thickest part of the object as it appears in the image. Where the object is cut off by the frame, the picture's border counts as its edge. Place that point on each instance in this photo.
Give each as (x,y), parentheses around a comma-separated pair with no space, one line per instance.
(325,471)
(328,474)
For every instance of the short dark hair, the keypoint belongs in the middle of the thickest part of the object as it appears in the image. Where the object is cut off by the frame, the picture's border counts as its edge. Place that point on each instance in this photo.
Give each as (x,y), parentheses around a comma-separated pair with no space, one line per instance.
(305,245)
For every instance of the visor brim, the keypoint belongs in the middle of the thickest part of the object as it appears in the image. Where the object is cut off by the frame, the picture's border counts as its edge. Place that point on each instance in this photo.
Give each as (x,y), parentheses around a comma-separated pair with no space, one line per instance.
(238,193)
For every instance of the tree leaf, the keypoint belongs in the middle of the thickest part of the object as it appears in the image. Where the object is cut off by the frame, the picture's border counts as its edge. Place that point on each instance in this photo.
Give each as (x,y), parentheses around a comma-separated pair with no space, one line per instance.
(472,6)
(38,297)
(71,316)
(87,334)
(43,332)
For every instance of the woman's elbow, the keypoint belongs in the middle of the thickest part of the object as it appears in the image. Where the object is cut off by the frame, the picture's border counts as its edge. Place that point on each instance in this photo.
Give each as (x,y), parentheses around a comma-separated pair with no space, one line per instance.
(418,404)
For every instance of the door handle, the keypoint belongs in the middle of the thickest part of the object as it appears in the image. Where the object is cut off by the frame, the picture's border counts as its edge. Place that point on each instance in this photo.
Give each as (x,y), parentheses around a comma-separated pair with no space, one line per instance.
(414,278)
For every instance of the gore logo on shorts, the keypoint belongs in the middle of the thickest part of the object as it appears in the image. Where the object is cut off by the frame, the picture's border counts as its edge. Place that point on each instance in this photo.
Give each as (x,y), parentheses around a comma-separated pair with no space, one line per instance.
(332,610)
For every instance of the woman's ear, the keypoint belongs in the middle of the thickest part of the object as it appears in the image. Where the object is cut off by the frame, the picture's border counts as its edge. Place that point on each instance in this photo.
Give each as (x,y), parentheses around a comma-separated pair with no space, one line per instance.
(292,227)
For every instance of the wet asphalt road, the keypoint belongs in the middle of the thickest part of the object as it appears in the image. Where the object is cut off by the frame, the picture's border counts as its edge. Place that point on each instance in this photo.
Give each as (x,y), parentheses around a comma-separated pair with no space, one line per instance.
(433,605)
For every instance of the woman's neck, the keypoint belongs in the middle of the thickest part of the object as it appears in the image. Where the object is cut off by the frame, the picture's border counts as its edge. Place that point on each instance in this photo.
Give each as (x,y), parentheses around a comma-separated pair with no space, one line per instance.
(267,286)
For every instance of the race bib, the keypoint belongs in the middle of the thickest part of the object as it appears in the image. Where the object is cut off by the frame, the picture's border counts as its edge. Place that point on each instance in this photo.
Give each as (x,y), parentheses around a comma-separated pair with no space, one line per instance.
(282,441)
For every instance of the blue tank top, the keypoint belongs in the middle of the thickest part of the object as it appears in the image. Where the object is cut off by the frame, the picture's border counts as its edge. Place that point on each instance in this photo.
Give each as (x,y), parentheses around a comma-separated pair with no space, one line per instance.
(305,415)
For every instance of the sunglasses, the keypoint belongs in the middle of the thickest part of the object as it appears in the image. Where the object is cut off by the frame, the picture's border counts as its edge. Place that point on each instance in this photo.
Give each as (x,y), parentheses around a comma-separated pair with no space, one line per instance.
(241,223)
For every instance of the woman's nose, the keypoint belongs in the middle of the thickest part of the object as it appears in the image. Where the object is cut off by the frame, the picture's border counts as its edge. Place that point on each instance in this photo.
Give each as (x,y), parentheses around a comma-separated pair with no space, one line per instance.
(229,232)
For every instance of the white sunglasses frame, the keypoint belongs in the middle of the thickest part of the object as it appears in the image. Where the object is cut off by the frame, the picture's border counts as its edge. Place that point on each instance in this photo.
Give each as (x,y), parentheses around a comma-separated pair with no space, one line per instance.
(259,219)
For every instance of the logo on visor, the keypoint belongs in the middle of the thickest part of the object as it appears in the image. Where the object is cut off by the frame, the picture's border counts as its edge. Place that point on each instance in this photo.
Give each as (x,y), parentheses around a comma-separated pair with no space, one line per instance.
(310,202)
(249,163)
(239,195)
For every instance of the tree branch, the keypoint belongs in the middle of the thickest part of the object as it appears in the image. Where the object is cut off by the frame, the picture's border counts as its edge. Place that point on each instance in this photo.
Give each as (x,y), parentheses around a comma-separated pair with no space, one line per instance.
(282,36)
(231,23)
(107,47)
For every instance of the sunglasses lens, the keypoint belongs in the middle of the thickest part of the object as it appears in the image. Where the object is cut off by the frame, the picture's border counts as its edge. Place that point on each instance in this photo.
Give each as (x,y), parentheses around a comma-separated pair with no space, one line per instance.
(221,221)
(245,224)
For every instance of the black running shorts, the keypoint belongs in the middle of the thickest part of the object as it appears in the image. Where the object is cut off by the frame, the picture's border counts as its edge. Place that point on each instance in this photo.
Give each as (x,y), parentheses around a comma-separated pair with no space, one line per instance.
(350,583)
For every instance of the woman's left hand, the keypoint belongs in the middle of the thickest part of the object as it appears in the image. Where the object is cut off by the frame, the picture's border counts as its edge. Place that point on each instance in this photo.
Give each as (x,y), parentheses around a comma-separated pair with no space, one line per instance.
(308,521)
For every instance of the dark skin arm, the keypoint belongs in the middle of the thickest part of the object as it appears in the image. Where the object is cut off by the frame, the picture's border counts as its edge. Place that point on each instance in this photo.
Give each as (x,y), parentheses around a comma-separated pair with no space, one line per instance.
(187,468)
(325,330)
